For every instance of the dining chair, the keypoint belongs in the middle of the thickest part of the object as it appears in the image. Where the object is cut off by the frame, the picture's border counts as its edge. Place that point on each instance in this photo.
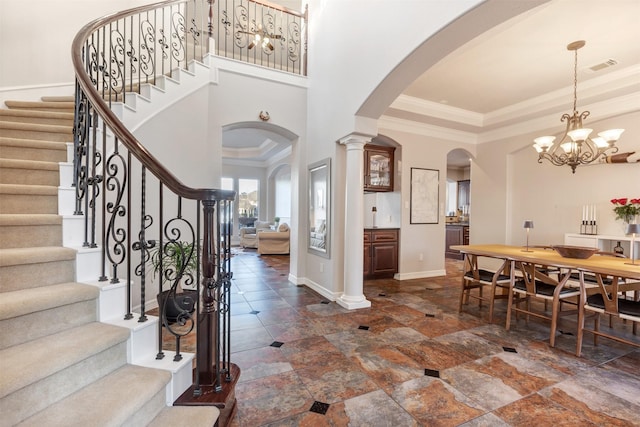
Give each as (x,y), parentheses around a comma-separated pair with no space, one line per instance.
(609,297)
(536,282)
(475,277)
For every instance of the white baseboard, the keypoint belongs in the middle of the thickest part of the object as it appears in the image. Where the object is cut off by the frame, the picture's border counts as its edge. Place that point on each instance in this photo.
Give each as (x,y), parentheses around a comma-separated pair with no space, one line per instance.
(420,274)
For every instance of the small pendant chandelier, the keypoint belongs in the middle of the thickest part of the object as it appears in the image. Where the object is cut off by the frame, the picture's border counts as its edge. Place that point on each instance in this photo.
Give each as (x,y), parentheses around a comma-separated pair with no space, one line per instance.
(575,146)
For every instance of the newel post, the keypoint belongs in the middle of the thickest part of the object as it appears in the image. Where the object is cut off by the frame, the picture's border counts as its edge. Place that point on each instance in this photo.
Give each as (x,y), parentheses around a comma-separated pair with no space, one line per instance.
(208,372)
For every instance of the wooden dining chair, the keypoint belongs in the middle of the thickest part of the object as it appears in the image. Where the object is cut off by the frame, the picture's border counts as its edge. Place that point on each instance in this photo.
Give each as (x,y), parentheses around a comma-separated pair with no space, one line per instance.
(475,277)
(535,282)
(608,298)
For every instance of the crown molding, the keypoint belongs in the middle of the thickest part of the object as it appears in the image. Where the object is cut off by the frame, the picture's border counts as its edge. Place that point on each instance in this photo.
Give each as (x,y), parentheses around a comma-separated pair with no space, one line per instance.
(402,125)
(435,109)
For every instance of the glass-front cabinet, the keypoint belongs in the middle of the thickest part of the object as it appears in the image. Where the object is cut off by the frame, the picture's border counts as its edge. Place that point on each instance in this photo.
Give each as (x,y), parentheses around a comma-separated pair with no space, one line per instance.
(378,165)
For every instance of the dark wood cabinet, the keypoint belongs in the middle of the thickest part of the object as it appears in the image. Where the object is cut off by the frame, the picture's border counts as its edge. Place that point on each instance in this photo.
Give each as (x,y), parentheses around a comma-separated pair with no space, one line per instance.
(380,252)
(378,168)
(455,235)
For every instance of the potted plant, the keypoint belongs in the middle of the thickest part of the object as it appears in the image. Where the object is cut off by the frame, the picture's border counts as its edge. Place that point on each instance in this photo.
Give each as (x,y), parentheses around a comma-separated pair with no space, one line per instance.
(174,257)
(276,221)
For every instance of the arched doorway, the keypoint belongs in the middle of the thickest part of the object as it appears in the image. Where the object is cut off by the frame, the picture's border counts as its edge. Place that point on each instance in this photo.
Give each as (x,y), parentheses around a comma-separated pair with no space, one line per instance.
(457,201)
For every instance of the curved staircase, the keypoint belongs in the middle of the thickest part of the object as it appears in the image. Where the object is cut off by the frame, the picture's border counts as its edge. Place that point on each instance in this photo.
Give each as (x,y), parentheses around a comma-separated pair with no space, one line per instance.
(59,366)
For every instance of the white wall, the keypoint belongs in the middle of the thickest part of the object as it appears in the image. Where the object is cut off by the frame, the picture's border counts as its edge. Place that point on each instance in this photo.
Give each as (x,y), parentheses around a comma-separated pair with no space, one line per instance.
(48,28)
(553,197)
(179,138)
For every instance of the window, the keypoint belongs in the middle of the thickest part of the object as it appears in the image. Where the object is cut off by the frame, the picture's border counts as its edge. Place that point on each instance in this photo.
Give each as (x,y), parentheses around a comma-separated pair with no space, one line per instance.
(248,198)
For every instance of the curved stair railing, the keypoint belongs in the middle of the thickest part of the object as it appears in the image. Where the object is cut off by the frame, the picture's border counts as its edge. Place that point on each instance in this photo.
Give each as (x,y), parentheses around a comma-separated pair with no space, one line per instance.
(135,209)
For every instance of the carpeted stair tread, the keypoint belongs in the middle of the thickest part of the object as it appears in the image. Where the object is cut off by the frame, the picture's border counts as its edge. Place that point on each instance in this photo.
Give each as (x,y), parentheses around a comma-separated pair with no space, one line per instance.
(40,105)
(15,220)
(37,116)
(36,131)
(25,301)
(28,164)
(29,364)
(31,190)
(33,149)
(59,98)
(29,230)
(128,389)
(32,143)
(29,172)
(173,416)
(22,256)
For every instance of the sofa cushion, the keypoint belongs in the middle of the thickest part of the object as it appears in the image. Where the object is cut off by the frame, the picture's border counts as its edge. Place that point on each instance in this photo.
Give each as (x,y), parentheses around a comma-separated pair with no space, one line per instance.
(283,227)
(264,225)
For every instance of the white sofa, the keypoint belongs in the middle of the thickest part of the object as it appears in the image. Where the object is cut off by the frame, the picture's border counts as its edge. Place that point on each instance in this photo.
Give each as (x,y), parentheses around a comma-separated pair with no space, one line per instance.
(249,235)
(274,242)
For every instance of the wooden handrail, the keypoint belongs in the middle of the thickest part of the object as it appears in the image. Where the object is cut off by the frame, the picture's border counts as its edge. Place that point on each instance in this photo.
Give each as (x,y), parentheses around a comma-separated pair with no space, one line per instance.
(118,128)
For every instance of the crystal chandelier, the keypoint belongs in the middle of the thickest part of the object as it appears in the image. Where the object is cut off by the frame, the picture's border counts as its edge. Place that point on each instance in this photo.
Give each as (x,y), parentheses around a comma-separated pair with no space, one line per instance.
(575,146)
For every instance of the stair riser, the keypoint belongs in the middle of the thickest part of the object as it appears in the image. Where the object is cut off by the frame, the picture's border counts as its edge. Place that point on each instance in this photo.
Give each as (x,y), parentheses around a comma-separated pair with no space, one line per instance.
(29,176)
(35,204)
(24,153)
(35,397)
(37,120)
(40,136)
(46,322)
(30,236)
(25,276)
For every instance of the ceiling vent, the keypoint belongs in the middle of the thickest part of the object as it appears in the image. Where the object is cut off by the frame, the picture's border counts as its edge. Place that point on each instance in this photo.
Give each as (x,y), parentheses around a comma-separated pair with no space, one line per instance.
(601,66)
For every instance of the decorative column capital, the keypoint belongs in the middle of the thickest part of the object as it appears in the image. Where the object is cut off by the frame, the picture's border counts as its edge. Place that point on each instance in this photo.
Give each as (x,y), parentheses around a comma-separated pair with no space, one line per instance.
(355,141)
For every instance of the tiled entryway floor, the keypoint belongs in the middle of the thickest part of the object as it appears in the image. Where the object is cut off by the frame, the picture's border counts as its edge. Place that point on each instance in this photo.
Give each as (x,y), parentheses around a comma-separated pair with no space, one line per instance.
(412,360)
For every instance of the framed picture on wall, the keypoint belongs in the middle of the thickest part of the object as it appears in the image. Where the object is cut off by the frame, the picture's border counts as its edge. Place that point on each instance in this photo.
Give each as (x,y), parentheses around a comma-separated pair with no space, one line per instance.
(425,184)
(319,209)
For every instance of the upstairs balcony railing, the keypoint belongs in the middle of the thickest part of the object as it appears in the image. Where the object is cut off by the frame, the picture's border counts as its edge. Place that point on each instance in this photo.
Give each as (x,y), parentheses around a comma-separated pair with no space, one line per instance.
(132,204)
(261,33)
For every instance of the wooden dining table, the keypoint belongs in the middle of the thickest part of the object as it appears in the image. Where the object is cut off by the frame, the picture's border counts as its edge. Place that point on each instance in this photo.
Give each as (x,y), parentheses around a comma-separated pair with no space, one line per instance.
(596,264)
(601,266)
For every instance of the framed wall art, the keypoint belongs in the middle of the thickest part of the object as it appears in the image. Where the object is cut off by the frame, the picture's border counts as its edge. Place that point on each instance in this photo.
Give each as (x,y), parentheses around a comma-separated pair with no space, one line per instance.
(425,184)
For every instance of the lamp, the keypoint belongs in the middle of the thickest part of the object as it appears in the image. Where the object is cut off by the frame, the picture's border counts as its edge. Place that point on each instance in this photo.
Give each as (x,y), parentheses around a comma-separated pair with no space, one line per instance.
(528,225)
(575,146)
(373,213)
(633,229)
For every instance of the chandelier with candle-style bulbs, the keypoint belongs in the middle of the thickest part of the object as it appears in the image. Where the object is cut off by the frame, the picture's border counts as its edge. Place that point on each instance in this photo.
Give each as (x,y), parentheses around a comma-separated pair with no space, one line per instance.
(576,147)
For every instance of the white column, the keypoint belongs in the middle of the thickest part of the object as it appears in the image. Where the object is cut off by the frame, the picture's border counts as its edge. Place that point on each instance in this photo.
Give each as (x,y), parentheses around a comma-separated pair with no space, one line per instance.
(353,296)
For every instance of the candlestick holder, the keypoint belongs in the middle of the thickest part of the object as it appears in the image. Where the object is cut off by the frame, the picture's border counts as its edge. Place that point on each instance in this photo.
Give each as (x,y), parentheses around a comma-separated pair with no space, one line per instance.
(589,227)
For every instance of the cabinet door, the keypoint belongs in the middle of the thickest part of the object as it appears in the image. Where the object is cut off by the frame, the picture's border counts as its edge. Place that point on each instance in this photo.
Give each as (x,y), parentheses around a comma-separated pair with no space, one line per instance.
(366,270)
(454,236)
(464,193)
(384,258)
(378,163)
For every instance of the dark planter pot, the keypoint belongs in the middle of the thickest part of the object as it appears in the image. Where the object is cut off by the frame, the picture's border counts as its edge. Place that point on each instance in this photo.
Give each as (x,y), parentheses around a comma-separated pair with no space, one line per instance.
(183,301)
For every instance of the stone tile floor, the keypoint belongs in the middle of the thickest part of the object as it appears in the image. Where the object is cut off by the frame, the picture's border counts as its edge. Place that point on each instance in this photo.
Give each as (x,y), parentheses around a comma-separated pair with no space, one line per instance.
(412,360)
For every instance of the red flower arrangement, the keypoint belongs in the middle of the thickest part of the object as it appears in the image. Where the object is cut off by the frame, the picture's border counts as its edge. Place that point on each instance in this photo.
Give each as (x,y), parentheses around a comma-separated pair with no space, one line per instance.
(626,209)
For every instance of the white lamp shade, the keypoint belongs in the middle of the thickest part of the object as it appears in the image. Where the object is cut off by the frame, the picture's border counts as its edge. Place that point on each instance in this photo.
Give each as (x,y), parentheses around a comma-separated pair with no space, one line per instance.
(579,134)
(633,229)
(600,142)
(611,134)
(544,141)
(568,146)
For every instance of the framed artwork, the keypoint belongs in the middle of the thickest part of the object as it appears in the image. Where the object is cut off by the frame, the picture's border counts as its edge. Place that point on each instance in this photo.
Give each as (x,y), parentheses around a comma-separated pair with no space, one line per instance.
(319,209)
(425,184)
